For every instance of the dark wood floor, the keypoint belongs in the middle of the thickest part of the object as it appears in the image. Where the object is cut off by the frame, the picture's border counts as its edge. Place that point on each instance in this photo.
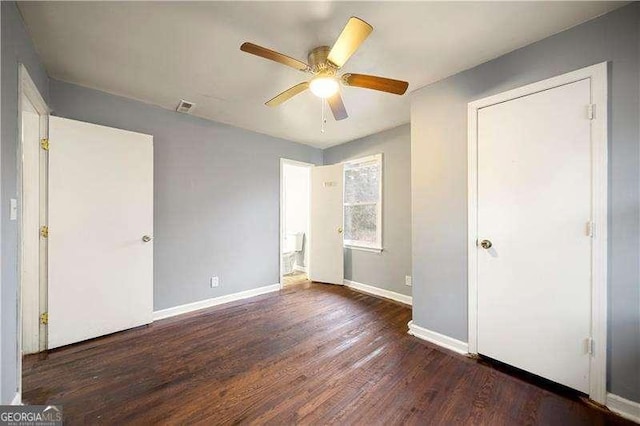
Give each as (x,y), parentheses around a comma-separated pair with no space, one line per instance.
(312,354)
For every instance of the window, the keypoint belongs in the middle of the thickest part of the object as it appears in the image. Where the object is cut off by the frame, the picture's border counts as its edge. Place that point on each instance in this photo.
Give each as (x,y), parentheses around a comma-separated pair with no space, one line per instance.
(363,203)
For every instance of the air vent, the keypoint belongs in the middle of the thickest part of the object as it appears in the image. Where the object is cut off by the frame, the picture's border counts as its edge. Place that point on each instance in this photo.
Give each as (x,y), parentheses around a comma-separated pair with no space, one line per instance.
(185,106)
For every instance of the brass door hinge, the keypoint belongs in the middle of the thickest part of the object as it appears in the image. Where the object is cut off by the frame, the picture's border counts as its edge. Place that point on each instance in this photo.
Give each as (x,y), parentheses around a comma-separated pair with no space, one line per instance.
(44,318)
(44,143)
(44,231)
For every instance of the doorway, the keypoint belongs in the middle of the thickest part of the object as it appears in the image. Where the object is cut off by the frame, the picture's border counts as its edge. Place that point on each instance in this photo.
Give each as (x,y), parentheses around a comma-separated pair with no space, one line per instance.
(538,227)
(33,115)
(294,221)
(85,229)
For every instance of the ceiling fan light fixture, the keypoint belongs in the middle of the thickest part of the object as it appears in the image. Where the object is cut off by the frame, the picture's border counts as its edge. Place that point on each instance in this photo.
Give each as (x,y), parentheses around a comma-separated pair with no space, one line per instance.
(324,87)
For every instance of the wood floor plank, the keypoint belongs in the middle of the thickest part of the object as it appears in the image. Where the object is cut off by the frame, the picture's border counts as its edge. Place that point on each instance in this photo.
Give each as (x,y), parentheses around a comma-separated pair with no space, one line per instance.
(309,354)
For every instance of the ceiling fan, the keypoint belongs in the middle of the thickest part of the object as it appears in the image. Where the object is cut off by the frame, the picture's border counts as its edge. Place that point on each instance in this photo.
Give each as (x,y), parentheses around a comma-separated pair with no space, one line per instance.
(324,63)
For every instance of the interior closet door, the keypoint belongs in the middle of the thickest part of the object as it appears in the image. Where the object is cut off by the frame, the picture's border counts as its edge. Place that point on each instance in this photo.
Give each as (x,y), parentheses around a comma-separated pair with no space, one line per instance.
(100,225)
(326,252)
(534,259)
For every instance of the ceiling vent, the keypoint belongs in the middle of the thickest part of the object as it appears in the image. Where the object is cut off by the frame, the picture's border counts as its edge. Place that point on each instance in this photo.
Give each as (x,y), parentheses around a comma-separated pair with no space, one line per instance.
(185,106)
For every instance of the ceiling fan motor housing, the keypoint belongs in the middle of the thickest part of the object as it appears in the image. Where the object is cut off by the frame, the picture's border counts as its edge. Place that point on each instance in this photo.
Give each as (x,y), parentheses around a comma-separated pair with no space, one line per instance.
(317,59)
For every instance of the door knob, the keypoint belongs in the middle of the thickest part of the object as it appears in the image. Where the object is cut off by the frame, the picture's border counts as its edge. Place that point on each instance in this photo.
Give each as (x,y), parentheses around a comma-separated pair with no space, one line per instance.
(485,244)
(146,238)
(339,229)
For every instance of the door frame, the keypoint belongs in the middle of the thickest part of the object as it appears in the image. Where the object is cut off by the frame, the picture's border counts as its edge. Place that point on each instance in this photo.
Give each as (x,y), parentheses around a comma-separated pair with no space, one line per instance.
(283,162)
(27,88)
(599,181)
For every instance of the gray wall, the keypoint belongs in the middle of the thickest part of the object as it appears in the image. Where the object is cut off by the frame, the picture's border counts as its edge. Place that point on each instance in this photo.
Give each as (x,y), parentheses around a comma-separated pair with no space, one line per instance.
(16,48)
(216,194)
(439,179)
(385,270)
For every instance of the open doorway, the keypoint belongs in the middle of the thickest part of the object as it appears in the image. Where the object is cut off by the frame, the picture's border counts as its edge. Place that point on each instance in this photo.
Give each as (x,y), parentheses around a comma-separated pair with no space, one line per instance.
(294,221)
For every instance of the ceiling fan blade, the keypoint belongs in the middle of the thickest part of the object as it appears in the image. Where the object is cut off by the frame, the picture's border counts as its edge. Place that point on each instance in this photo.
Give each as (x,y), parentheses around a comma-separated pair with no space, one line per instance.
(337,107)
(272,55)
(382,84)
(351,37)
(288,94)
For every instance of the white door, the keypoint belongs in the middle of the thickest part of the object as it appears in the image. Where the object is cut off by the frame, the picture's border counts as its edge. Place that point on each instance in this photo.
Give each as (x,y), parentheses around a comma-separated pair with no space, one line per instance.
(534,205)
(326,253)
(100,207)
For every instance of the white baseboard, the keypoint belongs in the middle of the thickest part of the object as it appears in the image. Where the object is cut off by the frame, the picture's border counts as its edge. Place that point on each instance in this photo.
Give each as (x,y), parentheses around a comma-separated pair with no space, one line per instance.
(207,303)
(624,407)
(300,268)
(17,399)
(438,339)
(376,291)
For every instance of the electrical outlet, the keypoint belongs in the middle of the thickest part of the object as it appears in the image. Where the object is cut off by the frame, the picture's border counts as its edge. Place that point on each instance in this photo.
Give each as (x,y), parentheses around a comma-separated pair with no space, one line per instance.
(408,280)
(215,282)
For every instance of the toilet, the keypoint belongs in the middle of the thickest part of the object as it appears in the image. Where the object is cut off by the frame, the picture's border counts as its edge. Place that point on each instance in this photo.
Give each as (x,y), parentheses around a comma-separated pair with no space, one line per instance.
(292,246)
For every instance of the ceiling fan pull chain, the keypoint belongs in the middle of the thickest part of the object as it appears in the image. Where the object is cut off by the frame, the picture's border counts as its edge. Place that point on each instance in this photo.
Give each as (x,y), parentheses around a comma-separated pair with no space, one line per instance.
(324,120)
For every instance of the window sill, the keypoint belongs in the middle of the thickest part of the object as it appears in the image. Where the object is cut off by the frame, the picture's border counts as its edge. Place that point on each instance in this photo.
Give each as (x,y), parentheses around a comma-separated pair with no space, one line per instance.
(363,248)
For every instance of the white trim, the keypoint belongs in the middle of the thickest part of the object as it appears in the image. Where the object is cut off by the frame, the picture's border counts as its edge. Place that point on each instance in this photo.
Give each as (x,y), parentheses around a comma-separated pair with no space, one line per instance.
(598,75)
(27,88)
(299,268)
(30,90)
(372,157)
(215,301)
(628,409)
(17,398)
(380,292)
(439,339)
(284,161)
(363,248)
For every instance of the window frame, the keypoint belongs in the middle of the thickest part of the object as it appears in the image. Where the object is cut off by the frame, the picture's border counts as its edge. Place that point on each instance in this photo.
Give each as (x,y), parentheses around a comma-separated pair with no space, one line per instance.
(377,246)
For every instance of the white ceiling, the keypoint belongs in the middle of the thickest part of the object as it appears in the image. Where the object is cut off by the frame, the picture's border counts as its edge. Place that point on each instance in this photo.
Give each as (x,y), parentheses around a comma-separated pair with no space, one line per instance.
(166,51)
